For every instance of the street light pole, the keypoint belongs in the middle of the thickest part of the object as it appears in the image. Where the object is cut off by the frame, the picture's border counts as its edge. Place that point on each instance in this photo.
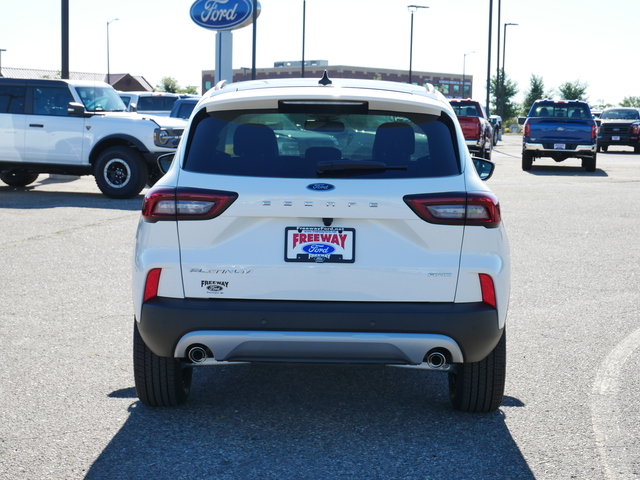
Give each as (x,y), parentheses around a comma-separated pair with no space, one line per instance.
(504,49)
(497,92)
(1,50)
(304,18)
(464,66)
(489,57)
(108,68)
(413,9)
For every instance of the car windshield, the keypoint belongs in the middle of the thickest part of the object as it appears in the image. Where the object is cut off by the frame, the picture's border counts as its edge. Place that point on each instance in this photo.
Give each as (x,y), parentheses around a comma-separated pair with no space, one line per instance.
(561,110)
(313,144)
(100,99)
(620,115)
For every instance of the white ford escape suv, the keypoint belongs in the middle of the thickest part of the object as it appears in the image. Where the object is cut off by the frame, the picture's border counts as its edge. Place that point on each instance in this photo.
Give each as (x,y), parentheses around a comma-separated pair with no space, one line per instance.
(336,221)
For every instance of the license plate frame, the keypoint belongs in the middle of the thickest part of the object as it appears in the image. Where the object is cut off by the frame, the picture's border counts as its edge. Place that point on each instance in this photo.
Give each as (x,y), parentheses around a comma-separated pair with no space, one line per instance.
(615,138)
(320,244)
(559,146)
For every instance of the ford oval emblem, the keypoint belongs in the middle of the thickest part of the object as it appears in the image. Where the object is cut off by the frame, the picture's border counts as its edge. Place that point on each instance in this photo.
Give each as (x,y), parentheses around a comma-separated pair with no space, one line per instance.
(320,187)
(223,14)
(318,249)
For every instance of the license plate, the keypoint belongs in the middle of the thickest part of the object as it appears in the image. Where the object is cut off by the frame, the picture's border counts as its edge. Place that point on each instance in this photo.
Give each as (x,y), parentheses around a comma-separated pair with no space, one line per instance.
(559,146)
(320,244)
(616,138)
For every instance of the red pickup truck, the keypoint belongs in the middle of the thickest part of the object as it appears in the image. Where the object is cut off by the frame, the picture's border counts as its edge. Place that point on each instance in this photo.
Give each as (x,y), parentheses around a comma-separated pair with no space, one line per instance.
(476,127)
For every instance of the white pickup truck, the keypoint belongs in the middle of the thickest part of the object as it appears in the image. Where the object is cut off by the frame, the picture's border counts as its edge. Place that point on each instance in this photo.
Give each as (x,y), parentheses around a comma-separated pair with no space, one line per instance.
(73,127)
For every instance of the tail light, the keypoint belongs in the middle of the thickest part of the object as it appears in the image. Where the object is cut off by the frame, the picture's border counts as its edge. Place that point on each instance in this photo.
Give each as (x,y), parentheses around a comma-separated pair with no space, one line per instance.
(488,290)
(594,131)
(185,204)
(151,285)
(456,208)
(527,130)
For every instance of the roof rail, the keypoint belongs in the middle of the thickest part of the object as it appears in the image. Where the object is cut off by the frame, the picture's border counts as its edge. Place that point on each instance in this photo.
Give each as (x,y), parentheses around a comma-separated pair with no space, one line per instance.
(220,85)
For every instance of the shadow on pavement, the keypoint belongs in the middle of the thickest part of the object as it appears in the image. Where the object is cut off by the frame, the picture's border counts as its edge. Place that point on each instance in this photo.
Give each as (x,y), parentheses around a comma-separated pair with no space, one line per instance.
(315,422)
(564,171)
(30,197)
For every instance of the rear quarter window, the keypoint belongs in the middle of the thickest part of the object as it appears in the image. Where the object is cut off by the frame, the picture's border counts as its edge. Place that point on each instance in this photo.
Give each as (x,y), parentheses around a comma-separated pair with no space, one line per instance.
(270,143)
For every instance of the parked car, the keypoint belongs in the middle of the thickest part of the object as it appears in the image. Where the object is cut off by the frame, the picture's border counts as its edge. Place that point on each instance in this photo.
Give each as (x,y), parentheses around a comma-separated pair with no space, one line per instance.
(477,129)
(152,103)
(619,126)
(559,130)
(183,107)
(496,125)
(75,127)
(249,251)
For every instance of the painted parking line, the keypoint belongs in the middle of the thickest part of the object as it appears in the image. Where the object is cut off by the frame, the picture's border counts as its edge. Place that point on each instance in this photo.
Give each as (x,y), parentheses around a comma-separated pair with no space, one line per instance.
(605,409)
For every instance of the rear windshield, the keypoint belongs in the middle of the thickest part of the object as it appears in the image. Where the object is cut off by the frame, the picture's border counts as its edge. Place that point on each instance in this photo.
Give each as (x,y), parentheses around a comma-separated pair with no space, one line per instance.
(156,104)
(463,109)
(620,115)
(308,144)
(561,110)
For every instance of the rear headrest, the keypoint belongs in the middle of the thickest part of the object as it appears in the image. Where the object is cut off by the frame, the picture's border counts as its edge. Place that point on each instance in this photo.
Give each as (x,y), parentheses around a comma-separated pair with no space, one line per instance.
(255,140)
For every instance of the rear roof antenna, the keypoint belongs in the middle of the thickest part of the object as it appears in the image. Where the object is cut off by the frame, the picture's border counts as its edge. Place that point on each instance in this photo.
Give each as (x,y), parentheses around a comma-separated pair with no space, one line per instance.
(325,79)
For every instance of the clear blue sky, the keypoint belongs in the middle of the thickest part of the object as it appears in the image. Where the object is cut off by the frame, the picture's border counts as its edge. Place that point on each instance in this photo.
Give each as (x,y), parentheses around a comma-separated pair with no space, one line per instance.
(591,41)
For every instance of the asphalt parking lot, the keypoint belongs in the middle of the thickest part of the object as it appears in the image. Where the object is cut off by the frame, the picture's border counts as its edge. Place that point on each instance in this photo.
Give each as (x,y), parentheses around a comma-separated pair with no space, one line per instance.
(571,408)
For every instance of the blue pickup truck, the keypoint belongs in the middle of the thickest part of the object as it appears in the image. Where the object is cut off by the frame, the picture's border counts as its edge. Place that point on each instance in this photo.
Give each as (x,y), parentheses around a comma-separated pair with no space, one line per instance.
(560,130)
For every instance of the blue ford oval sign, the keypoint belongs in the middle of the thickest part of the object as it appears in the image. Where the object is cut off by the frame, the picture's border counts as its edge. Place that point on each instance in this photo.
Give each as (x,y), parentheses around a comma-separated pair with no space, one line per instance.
(223,14)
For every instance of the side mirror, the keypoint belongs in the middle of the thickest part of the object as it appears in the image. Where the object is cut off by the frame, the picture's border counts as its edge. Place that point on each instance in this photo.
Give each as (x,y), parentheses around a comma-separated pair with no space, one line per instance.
(521,120)
(165,161)
(75,109)
(133,107)
(484,167)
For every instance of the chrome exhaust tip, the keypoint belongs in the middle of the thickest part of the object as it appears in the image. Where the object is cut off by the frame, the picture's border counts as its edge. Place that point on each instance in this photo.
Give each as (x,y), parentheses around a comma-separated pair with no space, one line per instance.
(436,360)
(196,354)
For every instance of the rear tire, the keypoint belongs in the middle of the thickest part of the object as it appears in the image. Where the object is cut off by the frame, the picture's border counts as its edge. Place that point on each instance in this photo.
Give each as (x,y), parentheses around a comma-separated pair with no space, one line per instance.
(589,164)
(121,172)
(479,387)
(527,160)
(18,178)
(160,381)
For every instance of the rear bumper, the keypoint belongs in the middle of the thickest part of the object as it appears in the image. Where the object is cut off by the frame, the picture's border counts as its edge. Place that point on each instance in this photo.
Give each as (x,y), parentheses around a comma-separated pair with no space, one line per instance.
(544,150)
(382,332)
(622,140)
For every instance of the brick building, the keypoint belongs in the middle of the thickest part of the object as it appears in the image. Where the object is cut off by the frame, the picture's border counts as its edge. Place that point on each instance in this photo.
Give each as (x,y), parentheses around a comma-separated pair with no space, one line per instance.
(450,84)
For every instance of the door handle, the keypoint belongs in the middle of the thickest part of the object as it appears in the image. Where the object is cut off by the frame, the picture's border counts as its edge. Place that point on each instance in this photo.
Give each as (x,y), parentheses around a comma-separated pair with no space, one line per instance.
(39,125)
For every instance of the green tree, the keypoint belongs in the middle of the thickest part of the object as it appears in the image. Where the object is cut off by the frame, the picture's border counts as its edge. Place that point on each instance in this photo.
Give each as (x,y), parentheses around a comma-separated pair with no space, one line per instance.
(574,91)
(630,102)
(191,90)
(168,84)
(535,92)
(599,105)
(502,103)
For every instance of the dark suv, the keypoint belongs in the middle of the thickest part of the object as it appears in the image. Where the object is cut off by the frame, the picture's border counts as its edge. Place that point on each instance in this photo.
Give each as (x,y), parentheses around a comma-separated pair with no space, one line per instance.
(619,126)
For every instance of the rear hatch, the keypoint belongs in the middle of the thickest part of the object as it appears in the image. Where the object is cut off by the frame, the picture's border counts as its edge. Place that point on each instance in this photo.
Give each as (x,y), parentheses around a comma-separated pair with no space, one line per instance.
(358,241)
(320,199)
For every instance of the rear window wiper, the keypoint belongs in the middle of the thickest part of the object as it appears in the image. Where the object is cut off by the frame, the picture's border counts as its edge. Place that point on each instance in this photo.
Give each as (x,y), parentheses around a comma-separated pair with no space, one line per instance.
(351,167)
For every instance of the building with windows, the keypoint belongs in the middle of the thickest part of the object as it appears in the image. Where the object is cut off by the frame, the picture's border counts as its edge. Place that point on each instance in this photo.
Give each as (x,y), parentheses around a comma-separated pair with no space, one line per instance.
(450,84)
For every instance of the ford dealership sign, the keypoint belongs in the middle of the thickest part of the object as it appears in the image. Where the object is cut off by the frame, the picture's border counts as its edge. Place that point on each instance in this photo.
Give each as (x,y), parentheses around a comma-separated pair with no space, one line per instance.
(223,14)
